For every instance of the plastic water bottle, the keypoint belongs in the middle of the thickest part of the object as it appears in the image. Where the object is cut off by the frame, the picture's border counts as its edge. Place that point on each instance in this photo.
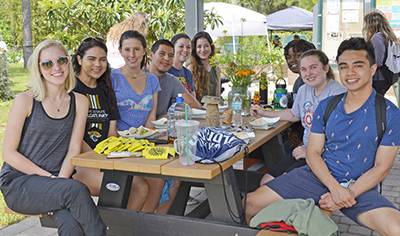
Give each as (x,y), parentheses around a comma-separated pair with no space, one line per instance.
(237,111)
(177,112)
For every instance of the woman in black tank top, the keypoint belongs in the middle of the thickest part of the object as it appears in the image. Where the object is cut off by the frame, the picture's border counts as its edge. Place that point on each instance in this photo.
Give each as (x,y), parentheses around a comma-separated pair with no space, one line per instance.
(94,81)
(44,130)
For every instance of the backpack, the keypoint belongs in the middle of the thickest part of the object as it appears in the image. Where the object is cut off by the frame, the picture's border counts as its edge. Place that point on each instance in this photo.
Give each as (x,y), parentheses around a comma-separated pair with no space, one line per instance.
(393,57)
(380,113)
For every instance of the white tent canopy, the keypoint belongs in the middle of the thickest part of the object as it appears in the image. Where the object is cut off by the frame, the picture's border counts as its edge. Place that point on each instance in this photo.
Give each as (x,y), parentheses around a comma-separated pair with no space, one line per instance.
(255,23)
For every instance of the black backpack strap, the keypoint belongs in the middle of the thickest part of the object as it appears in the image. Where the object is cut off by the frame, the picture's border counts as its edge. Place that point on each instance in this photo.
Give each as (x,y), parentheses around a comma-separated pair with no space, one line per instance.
(331,106)
(380,112)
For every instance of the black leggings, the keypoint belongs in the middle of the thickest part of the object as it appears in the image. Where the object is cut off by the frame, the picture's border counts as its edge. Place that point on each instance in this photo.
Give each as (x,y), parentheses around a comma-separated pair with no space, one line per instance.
(74,210)
(286,164)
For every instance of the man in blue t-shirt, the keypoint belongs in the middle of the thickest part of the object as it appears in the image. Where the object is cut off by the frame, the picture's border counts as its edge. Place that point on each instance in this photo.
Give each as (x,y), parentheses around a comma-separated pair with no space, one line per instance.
(345,163)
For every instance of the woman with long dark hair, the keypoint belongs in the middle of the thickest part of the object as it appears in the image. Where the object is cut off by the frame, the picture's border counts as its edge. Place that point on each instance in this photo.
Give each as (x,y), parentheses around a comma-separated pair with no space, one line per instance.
(137,21)
(137,96)
(206,78)
(93,79)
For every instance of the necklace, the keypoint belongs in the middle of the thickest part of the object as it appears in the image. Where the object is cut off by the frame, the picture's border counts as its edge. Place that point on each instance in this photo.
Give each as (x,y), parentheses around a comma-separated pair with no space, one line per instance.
(134,77)
(58,108)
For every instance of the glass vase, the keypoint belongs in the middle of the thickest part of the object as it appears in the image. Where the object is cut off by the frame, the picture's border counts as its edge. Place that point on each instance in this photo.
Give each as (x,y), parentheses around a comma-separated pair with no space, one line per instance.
(246,99)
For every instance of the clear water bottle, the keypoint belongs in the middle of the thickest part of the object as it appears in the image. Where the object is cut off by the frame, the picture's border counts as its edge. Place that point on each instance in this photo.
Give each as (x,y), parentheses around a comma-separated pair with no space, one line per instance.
(177,112)
(237,111)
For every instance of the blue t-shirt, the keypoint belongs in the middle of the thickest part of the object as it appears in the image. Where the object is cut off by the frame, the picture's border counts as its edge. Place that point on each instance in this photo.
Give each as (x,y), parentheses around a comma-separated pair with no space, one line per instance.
(133,108)
(185,76)
(351,143)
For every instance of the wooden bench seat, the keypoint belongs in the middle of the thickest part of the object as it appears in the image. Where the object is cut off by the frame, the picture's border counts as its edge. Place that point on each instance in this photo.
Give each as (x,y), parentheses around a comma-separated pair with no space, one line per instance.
(9,211)
(265,232)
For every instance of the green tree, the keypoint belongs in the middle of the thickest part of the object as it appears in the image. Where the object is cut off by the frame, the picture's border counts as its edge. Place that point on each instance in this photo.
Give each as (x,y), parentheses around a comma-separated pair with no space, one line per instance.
(71,20)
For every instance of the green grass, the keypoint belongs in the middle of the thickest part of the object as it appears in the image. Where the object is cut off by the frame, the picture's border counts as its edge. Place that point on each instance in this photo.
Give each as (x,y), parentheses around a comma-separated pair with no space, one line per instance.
(20,80)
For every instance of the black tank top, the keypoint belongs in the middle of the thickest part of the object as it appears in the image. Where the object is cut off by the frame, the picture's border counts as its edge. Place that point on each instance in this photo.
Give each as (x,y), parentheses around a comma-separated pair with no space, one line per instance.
(44,140)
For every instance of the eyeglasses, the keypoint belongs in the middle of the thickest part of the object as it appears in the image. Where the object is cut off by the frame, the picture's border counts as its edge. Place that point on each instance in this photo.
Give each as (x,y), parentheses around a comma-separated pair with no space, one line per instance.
(48,64)
(90,39)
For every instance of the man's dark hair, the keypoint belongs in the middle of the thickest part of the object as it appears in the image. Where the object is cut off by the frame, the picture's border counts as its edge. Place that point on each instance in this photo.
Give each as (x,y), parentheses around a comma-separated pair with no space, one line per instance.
(357,44)
(298,45)
(157,44)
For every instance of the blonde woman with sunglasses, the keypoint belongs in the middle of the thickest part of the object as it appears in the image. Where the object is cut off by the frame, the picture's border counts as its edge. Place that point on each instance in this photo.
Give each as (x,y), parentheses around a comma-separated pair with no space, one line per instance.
(44,130)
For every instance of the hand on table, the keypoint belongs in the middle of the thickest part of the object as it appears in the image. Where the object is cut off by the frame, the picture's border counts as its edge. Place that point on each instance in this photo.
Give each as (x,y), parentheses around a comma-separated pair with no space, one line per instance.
(299,152)
(257,111)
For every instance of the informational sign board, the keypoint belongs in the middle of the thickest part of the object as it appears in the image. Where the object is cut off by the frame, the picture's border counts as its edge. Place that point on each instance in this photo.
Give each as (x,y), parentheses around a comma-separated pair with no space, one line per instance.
(342,19)
(391,8)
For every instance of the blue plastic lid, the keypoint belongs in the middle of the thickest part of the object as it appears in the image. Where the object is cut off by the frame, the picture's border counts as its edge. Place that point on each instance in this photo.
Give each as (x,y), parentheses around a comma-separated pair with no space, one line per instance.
(179,99)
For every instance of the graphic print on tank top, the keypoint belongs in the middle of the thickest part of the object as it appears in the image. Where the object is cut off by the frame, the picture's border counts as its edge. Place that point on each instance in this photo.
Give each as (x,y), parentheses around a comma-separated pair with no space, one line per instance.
(96,113)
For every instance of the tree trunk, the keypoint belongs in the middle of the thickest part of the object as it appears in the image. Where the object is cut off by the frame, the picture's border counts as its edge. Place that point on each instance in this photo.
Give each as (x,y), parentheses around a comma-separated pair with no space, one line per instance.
(27,30)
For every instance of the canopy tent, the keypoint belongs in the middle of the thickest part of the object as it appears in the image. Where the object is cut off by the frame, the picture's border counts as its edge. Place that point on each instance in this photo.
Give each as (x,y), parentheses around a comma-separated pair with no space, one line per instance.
(231,15)
(291,18)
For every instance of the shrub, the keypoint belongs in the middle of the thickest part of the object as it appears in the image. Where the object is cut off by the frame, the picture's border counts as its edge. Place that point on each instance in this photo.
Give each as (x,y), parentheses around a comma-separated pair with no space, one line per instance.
(14,55)
(5,83)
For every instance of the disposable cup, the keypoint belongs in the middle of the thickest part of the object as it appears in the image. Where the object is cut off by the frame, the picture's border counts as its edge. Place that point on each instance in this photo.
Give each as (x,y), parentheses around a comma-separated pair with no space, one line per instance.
(181,144)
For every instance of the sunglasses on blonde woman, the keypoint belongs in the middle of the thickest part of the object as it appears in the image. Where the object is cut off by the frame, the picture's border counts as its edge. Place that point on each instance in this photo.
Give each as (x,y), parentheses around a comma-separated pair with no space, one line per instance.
(48,64)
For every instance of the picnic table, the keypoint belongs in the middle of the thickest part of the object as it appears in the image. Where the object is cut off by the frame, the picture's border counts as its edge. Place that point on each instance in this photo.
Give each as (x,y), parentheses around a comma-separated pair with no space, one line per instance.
(222,190)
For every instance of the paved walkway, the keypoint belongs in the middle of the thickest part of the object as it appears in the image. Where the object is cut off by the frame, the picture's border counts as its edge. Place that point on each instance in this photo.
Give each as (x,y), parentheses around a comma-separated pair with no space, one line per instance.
(391,190)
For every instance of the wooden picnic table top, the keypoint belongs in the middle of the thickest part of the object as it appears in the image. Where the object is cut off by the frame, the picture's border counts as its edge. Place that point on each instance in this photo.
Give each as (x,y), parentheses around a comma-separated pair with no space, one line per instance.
(209,171)
(172,167)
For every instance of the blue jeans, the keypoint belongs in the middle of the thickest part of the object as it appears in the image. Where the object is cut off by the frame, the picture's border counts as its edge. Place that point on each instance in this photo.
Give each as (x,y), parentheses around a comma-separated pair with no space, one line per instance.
(70,200)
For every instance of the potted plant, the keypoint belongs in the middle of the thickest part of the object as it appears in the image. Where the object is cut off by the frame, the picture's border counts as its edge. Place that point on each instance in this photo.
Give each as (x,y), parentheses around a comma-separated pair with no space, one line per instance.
(251,62)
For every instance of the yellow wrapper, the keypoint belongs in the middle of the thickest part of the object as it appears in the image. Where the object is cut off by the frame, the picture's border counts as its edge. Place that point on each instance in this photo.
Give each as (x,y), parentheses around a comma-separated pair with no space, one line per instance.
(161,153)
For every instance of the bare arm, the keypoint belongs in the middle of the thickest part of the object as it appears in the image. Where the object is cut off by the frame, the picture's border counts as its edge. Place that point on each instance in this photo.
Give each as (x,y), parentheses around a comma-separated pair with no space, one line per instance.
(383,163)
(85,147)
(74,147)
(286,114)
(191,101)
(20,110)
(152,115)
(341,196)
(113,129)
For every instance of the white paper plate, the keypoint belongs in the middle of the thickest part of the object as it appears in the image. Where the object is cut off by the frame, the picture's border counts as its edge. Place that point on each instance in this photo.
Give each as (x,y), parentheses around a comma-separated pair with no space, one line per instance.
(269,122)
(160,123)
(265,127)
